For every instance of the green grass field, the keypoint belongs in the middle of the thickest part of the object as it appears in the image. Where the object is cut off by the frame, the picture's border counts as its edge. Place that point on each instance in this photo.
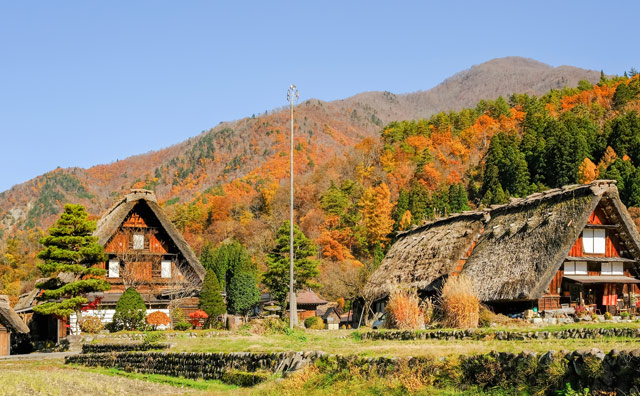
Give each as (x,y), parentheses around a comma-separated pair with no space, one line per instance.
(52,377)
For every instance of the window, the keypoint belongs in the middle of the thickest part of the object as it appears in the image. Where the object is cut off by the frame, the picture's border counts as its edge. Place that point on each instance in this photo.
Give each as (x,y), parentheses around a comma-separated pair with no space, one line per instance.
(593,241)
(612,269)
(165,270)
(114,268)
(138,241)
(575,268)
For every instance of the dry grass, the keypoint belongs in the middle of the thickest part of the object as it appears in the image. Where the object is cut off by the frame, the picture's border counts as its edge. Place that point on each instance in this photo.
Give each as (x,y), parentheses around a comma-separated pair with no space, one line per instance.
(403,311)
(459,303)
(52,378)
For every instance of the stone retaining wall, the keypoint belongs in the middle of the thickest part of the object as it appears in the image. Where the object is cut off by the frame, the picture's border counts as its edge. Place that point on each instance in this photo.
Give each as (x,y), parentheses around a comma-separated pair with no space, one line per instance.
(617,372)
(470,334)
(99,348)
(219,366)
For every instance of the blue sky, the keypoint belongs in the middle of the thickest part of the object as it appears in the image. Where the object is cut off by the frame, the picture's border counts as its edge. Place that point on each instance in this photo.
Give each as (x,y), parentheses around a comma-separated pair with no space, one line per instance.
(84,83)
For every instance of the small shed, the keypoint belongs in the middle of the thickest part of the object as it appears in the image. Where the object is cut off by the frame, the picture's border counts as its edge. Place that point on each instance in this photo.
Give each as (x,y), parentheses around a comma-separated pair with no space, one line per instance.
(331,319)
(10,323)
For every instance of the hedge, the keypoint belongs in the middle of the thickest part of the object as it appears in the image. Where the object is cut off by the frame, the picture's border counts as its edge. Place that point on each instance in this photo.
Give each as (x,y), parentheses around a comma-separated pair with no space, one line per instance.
(471,334)
(99,348)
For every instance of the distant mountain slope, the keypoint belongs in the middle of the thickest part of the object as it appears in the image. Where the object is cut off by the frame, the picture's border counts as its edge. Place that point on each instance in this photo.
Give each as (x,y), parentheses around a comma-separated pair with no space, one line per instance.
(256,148)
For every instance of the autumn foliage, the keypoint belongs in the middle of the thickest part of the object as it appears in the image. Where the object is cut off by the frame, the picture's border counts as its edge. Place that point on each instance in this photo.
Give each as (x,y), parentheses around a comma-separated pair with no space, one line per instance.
(158,318)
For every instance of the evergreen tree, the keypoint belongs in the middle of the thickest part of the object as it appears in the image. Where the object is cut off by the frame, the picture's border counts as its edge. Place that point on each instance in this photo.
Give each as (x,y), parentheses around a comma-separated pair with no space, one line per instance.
(624,135)
(243,293)
(130,311)
(401,207)
(211,300)
(226,260)
(458,200)
(420,203)
(72,249)
(622,95)
(499,107)
(276,278)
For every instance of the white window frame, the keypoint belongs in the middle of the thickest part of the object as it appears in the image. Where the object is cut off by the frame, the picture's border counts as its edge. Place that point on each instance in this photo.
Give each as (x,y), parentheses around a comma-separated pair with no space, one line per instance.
(594,241)
(165,269)
(612,268)
(114,268)
(575,268)
(138,241)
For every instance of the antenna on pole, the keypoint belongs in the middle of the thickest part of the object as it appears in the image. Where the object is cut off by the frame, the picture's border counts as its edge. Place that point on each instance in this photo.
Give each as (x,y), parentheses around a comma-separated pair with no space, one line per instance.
(292,97)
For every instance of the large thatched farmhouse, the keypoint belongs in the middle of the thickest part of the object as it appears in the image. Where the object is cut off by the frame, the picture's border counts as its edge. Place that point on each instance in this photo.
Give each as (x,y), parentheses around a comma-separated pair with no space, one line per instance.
(575,245)
(145,251)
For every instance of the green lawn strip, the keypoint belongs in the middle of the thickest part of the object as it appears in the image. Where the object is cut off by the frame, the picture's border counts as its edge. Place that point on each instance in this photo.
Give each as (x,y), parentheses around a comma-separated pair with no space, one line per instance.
(162,379)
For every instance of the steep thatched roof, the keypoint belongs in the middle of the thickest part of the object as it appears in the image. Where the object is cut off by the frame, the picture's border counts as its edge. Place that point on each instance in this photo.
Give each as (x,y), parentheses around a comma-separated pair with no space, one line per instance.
(523,244)
(10,319)
(423,255)
(114,217)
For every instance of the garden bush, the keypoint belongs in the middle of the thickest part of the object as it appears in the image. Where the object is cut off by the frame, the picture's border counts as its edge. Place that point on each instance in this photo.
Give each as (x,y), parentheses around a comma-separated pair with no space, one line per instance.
(130,311)
(182,326)
(314,323)
(403,311)
(459,303)
(91,325)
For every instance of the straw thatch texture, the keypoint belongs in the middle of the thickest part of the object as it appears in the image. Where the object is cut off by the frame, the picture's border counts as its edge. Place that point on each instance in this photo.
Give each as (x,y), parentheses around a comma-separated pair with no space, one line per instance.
(10,319)
(111,221)
(422,255)
(521,245)
(526,241)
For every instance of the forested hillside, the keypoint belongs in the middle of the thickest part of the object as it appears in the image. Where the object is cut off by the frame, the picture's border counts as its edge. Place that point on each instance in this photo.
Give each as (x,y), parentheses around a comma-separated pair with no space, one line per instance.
(358,180)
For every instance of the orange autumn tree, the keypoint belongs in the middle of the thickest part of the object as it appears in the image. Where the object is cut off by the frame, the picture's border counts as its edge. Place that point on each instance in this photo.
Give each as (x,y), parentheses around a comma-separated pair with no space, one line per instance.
(376,213)
(587,172)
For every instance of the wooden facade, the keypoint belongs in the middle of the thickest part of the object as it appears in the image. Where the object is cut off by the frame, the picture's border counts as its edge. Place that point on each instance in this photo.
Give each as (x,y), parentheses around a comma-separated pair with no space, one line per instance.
(564,291)
(141,265)
(5,341)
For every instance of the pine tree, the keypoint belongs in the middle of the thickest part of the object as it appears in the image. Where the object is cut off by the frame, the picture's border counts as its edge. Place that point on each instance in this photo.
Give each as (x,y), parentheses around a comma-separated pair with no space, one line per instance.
(211,300)
(622,96)
(130,312)
(72,249)
(243,293)
(276,278)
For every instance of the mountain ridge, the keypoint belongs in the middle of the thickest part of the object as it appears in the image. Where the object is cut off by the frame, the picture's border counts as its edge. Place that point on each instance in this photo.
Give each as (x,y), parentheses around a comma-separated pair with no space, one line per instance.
(258,145)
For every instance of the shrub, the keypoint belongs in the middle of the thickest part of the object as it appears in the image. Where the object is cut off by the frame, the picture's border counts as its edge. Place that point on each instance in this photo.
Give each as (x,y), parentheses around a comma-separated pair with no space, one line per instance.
(459,303)
(197,317)
(275,325)
(608,316)
(427,311)
(177,315)
(182,326)
(624,315)
(314,322)
(403,311)
(130,311)
(580,310)
(158,318)
(91,325)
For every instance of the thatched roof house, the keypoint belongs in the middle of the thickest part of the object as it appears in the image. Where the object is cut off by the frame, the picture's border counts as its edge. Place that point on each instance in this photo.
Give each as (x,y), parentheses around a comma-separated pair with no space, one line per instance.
(9,319)
(513,252)
(112,220)
(10,323)
(422,256)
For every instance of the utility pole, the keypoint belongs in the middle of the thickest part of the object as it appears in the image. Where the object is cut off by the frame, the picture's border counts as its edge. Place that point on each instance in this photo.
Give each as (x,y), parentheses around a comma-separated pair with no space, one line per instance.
(292,96)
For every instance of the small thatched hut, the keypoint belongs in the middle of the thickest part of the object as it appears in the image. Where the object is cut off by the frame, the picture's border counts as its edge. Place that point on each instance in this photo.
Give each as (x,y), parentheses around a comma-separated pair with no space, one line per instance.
(10,323)
(574,245)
